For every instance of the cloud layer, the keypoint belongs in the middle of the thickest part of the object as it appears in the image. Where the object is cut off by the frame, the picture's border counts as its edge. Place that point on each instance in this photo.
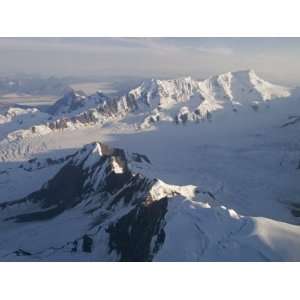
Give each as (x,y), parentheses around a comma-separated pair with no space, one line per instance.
(275,58)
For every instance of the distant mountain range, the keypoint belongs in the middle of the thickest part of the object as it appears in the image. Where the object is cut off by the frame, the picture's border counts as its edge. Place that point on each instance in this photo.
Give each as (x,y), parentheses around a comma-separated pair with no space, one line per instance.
(155,101)
(33,85)
(199,97)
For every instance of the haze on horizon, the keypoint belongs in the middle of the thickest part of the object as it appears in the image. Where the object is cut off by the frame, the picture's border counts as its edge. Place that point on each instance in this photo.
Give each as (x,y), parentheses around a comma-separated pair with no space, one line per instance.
(275,59)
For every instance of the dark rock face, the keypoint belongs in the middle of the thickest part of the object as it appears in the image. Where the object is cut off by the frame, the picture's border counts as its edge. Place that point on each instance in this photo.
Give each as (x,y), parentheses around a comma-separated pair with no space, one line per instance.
(21,252)
(292,121)
(128,194)
(295,209)
(87,243)
(65,188)
(62,192)
(140,158)
(131,235)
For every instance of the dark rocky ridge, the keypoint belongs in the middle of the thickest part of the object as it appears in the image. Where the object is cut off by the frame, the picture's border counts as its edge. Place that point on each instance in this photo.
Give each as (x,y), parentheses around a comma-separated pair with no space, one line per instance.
(132,234)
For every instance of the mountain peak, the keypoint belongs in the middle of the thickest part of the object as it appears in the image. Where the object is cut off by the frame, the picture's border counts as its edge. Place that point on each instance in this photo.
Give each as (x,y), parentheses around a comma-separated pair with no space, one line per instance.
(70,101)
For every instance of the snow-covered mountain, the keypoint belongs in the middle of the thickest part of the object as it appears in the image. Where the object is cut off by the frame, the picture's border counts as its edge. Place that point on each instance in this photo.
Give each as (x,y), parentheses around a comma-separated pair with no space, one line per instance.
(186,99)
(97,207)
(234,88)
(99,186)
(177,101)
(71,100)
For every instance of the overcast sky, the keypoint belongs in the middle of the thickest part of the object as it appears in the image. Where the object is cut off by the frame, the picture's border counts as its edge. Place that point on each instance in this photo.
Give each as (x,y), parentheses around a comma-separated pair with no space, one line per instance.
(276,59)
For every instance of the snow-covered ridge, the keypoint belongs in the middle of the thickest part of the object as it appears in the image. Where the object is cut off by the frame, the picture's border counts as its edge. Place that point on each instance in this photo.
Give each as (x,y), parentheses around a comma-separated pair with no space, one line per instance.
(160,190)
(176,100)
(233,87)
(242,86)
(186,99)
(183,99)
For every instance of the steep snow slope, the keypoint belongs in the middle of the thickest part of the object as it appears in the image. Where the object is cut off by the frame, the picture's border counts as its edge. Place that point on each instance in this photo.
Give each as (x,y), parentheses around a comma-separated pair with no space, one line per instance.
(241,87)
(220,234)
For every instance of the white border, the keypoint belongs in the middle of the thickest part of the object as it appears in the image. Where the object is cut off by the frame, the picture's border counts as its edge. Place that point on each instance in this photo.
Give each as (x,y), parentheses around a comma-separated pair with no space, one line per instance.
(149,281)
(149,18)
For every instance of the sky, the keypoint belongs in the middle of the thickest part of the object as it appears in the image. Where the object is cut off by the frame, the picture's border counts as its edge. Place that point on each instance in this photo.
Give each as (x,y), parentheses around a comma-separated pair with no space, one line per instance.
(275,59)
